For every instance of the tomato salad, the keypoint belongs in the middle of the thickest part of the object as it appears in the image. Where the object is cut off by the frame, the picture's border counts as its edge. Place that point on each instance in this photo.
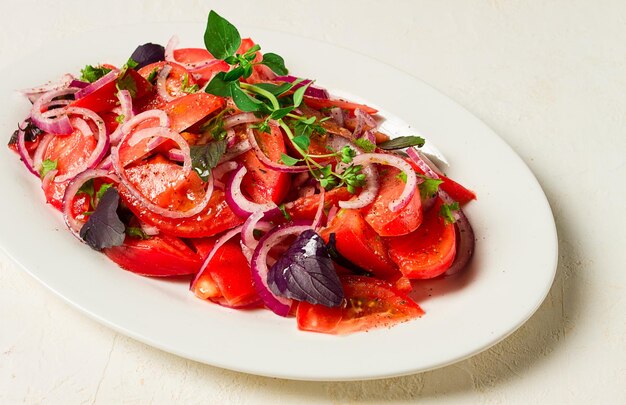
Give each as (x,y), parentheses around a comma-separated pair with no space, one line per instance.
(264,189)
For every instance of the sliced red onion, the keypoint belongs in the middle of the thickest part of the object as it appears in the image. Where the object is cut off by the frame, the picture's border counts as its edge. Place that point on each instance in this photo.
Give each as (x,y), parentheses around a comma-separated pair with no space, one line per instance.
(218,244)
(237,201)
(231,138)
(300,179)
(418,158)
(223,168)
(52,108)
(34,93)
(81,125)
(397,204)
(465,238)
(98,84)
(267,162)
(126,107)
(279,305)
(72,189)
(241,118)
(247,231)
(161,83)
(149,229)
(48,178)
(239,149)
(41,149)
(370,136)
(311,91)
(164,120)
(176,155)
(337,114)
(59,125)
(165,133)
(105,163)
(331,213)
(363,119)
(79,84)
(317,221)
(101,149)
(23,152)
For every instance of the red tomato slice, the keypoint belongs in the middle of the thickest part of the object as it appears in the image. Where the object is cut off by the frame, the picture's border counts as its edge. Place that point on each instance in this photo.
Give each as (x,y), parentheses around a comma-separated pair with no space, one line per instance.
(318,103)
(70,152)
(159,256)
(360,244)
(429,251)
(306,207)
(173,84)
(193,55)
(260,183)
(105,99)
(369,303)
(154,180)
(228,278)
(380,217)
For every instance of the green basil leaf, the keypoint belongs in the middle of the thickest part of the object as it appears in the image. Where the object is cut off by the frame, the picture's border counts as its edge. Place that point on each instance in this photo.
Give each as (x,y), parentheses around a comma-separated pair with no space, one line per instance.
(402,142)
(429,187)
(218,86)
(103,189)
(281,112)
(302,141)
(91,74)
(446,211)
(365,144)
(46,166)
(276,90)
(288,160)
(243,101)
(136,232)
(205,157)
(276,63)
(221,38)
(298,95)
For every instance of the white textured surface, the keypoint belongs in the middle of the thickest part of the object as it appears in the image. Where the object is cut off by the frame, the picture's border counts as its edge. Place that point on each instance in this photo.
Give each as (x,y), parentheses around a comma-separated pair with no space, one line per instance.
(549,77)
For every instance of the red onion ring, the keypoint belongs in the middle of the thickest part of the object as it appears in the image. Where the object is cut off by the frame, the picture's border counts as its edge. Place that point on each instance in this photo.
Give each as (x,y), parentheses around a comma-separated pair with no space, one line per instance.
(161,83)
(99,151)
(218,244)
(241,118)
(419,159)
(81,125)
(60,125)
(48,178)
(240,205)
(23,152)
(239,149)
(317,220)
(397,204)
(41,149)
(363,119)
(311,91)
(164,120)
(465,238)
(105,163)
(72,189)
(266,161)
(98,84)
(279,305)
(176,155)
(126,104)
(247,231)
(34,92)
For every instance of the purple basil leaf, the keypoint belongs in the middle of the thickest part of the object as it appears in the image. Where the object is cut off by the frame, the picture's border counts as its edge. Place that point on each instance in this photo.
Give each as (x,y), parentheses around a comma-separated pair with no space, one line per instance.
(148,53)
(104,228)
(305,272)
(31,132)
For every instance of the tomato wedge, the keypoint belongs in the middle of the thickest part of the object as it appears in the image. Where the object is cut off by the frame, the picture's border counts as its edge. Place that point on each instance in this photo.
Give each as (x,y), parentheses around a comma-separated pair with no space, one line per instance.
(70,152)
(360,244)
(105,98)
(155,179)
(369,304)
(228,278)
(158,256)
(429,251)
(261,184)
(380,217)
(173,84)
(455,190)
(306,207)
(319,103)
(193,55)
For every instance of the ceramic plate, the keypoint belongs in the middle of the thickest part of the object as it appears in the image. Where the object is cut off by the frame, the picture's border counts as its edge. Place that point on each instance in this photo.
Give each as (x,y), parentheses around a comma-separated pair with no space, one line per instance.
(509,276)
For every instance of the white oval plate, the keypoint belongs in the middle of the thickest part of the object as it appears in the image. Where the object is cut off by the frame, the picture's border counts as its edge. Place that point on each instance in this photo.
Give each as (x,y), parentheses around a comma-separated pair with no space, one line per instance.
(510,275)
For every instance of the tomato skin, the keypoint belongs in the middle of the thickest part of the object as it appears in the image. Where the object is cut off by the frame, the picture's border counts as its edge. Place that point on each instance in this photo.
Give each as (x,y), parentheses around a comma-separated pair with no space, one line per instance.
(153,179)
(455,190)
(381,218)
(105,98)
(260,183)
(193,55)
(158,256)
(191,109)
(228,271)
(318,103)
(306,207)
(360,244)
(369,303)
(427,252)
